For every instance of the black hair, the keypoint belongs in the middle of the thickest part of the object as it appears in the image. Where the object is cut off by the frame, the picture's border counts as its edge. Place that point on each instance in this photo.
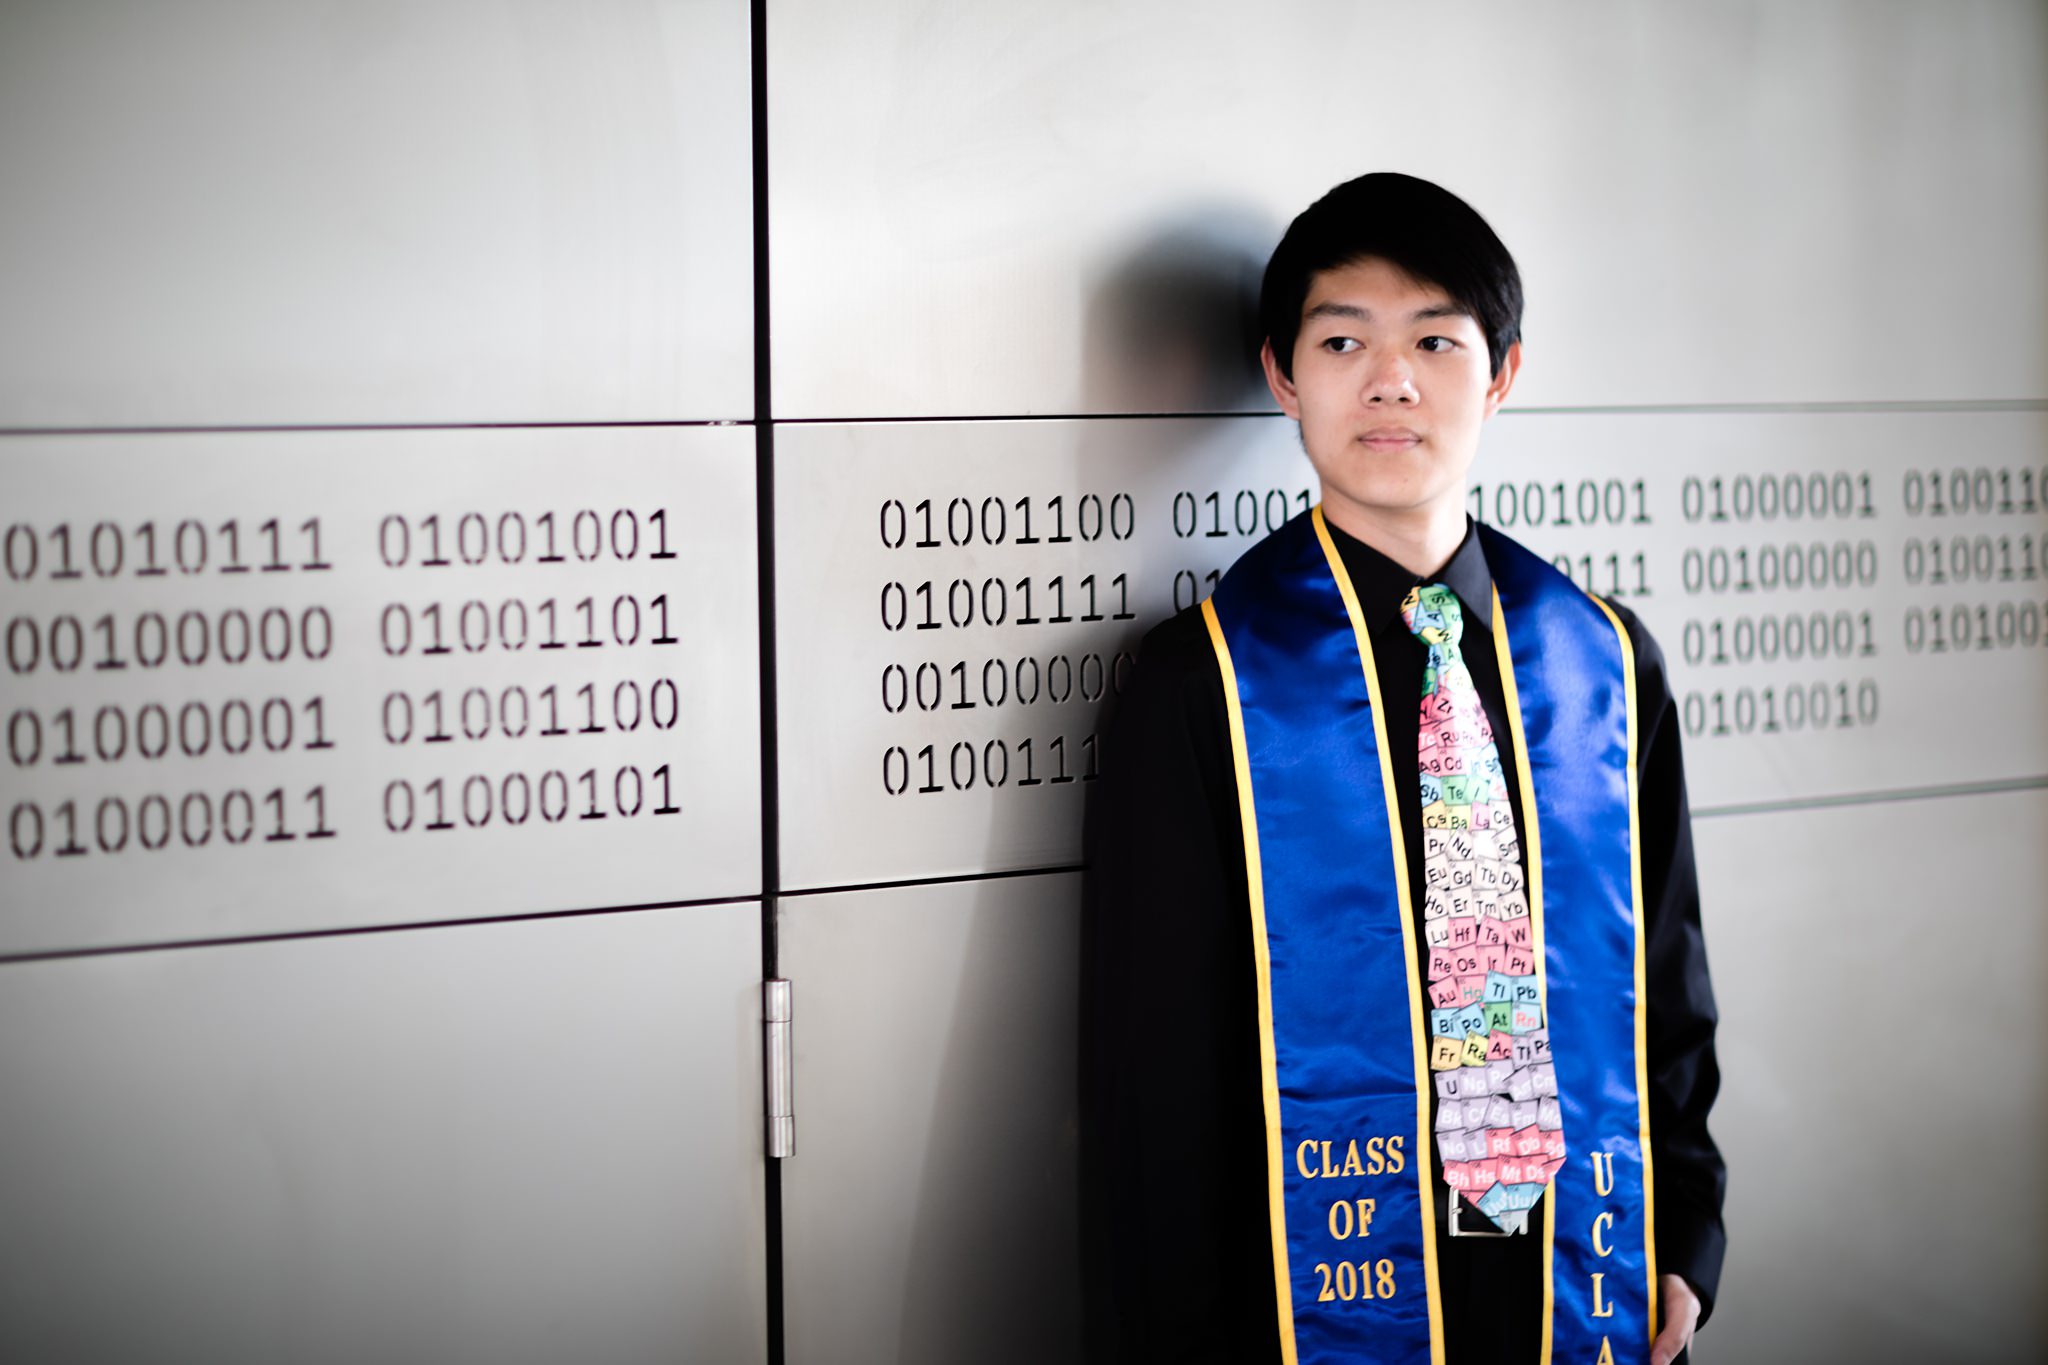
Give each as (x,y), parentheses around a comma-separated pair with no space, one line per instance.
(1423,229)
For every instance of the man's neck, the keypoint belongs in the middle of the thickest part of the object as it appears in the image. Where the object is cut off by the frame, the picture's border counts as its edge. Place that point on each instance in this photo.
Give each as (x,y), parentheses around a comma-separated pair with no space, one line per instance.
(1420,540)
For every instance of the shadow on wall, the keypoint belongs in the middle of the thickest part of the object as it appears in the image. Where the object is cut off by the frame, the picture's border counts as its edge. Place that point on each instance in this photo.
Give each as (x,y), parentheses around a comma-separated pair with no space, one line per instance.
(1173,324)
(1171,331)
(994,1252)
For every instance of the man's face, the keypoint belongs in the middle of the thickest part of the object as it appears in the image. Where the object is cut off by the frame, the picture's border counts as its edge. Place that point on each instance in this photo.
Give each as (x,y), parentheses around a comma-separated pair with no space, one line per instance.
(1391,383)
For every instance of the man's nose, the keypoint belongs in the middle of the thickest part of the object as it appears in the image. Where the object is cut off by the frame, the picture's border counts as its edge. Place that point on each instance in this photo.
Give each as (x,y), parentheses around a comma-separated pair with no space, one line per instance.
(1389,379)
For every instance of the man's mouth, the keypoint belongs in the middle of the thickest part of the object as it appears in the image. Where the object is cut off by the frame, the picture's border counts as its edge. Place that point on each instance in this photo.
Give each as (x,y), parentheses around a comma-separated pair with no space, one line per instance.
(1389,438)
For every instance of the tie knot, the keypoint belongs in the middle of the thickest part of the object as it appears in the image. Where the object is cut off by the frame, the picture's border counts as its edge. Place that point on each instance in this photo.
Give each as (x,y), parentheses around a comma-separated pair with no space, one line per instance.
(1433,614)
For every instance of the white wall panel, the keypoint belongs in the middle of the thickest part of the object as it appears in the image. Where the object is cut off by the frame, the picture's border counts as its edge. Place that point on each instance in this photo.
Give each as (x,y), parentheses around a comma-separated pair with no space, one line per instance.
(1824,586)
(929,1210)
(233,213)
(961,996)
(1782,203)
(1876,968)
(415,675)
(957,602)
(488,1143)
(540,1140)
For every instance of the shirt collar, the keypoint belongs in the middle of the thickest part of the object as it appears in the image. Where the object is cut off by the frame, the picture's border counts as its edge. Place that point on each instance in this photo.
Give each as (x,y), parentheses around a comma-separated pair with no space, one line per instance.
(1381,583)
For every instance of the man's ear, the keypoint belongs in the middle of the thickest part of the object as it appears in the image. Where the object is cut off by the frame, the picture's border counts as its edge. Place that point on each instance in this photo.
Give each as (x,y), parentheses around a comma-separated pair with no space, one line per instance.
(1280,384)
(1510,366)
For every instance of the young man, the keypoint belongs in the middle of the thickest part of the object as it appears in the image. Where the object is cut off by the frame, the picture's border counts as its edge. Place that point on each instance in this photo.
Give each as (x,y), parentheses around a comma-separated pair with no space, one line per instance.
(1399,1036)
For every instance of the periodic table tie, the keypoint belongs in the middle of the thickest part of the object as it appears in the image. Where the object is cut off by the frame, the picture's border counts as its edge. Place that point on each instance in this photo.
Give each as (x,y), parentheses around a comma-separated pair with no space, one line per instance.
(1499,1131)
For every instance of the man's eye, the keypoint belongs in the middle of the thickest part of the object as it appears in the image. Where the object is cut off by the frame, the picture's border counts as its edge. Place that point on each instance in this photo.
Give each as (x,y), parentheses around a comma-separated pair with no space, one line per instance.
(1438,344)
(1340,345)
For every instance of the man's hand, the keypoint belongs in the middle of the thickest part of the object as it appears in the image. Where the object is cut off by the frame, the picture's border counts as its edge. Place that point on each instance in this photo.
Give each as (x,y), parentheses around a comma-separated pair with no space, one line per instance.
(1681,1315)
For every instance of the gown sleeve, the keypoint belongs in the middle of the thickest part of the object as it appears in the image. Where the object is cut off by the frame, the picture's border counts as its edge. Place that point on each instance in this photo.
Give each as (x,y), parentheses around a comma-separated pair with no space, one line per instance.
(1691,1178)
(1176,1249)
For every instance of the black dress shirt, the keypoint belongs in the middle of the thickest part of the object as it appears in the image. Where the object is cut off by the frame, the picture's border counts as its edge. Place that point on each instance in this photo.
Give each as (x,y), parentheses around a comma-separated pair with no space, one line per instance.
(1177,1239)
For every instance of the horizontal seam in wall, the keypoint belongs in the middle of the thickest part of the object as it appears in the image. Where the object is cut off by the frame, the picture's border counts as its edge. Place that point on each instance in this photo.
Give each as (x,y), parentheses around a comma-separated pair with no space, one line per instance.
(947,880)
(1872,798)
(1830,802)
(358,930)
(287,428)
(1933,405)
(1617,410)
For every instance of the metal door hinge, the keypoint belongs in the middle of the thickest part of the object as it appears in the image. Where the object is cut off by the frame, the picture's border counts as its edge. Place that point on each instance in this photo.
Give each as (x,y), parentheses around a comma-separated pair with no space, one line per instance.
(781,1071)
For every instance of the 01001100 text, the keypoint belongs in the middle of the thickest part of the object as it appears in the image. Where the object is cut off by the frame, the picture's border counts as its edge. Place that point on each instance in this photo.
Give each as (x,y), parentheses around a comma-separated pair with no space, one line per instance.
(515,712)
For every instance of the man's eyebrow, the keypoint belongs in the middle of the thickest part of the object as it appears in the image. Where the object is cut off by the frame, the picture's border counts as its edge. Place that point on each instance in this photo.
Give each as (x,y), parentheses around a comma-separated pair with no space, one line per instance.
(1338,310)
(1333,309)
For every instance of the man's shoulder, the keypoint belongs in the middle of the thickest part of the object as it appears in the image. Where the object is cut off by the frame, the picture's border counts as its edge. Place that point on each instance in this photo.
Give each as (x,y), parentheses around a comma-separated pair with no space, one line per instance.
(1169,708)
(1653,679)
(1174,690)
(1178,651)
(1639,637)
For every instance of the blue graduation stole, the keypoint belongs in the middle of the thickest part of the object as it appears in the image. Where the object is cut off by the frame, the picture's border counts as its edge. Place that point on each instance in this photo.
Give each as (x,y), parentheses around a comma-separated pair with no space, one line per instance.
(1346,1081)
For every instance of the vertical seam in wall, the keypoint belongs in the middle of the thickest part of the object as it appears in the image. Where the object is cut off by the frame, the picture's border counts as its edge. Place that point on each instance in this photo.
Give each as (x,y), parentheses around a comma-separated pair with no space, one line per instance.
(764,541)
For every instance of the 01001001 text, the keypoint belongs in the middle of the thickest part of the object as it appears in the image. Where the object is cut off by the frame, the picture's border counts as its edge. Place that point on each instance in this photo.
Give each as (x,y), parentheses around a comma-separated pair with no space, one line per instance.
(477,539)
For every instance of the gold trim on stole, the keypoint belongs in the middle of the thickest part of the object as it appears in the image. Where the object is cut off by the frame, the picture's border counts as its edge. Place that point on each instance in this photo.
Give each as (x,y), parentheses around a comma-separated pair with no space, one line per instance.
(1635,879)
(1262,958)
(1425,1170)
(1532,844)
(1635,870)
